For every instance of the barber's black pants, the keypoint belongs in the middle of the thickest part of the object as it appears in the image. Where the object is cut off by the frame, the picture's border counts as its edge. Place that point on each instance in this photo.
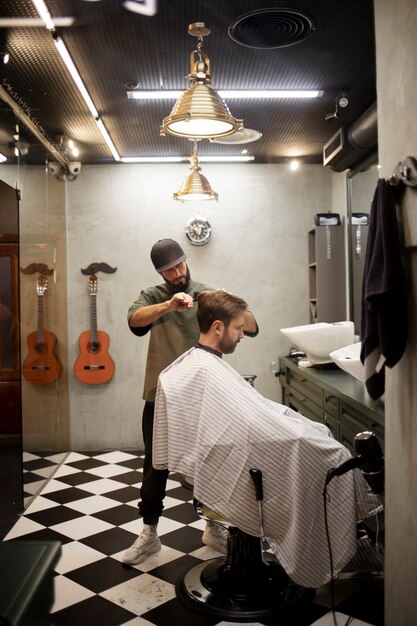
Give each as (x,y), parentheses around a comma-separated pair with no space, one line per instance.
(154,482)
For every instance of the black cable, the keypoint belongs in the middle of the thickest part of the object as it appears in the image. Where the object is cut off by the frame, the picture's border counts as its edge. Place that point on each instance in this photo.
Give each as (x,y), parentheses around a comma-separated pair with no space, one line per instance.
(329,476)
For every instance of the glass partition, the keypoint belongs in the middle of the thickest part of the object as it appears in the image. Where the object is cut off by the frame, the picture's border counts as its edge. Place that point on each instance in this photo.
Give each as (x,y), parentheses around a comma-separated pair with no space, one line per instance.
(41,284)
(361,184)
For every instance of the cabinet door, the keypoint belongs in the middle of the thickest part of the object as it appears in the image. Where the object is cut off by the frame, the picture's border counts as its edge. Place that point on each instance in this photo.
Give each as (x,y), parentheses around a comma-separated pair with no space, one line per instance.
(332,424)
(331,404)
(303,405)
(305,387)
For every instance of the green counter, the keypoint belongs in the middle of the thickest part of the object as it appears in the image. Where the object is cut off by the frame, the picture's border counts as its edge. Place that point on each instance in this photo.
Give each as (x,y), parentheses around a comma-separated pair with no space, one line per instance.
(333,397)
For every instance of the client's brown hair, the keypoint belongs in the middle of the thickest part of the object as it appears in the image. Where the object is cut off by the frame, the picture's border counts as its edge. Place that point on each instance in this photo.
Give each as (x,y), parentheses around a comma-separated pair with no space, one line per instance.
(218,305)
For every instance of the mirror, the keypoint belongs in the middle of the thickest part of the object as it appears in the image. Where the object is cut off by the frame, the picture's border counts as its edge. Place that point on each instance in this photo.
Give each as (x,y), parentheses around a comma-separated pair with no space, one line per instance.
(361,184)
(39,438)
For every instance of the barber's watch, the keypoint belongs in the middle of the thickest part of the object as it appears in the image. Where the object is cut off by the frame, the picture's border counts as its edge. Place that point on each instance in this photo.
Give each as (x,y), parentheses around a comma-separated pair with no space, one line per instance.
(198,231)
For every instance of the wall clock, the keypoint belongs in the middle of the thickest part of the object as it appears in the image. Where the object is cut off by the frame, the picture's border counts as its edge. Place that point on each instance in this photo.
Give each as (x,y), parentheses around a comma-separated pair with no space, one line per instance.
(198,230)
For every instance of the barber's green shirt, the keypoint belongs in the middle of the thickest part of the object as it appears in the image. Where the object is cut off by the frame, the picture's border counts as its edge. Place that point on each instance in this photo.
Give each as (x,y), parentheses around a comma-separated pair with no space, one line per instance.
(171,335)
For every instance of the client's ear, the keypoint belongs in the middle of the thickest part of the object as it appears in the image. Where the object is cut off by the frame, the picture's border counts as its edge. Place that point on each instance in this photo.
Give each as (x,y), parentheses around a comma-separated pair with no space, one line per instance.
(218,327)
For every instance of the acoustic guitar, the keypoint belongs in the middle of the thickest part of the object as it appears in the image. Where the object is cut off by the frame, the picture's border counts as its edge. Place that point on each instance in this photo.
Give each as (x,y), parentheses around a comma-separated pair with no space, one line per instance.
(41,365)
(94,366)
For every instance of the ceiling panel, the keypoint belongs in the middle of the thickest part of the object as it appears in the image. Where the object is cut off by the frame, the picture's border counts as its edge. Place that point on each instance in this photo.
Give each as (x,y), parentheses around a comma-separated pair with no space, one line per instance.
(112,47)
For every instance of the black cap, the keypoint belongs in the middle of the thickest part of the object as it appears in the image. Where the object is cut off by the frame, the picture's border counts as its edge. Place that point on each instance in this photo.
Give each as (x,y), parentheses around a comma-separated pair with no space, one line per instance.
(166,253)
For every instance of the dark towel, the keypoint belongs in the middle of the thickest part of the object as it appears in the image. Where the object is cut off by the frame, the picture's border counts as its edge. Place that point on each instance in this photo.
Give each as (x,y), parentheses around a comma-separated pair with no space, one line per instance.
(384,314)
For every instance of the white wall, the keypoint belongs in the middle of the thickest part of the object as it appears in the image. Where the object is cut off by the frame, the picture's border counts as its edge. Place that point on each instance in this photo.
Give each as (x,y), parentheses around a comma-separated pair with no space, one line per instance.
(258,250)
(396,28)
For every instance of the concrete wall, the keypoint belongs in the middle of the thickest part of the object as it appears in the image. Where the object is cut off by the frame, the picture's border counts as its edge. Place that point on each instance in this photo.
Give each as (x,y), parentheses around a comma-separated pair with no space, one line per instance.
(258,250)
(396,28)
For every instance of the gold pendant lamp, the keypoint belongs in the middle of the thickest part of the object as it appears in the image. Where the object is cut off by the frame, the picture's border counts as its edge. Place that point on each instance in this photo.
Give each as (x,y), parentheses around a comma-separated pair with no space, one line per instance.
(200,112)
(195,185)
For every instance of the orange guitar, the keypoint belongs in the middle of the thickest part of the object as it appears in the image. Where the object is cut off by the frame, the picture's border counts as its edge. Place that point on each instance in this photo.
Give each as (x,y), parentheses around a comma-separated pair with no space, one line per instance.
(94,366)
(41,366)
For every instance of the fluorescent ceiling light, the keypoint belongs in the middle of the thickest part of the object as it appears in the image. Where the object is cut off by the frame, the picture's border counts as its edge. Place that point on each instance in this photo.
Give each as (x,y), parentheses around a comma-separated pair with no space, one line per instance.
(44,14)
(144,7)
(2,158)
(180,159)
(86,96)
(154,159)
(226,159)
(107,139)
(238,94)
(65,56)
(34,22)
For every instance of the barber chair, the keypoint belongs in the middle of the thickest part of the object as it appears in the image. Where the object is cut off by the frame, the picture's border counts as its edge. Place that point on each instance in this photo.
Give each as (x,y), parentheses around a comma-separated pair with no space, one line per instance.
(245,585)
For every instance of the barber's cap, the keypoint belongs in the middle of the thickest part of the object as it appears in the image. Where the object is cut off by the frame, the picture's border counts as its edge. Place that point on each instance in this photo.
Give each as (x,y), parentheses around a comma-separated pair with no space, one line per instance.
(166,253)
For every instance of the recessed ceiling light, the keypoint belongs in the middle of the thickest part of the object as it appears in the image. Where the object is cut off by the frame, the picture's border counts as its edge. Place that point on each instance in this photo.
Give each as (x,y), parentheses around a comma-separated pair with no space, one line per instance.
(131,85)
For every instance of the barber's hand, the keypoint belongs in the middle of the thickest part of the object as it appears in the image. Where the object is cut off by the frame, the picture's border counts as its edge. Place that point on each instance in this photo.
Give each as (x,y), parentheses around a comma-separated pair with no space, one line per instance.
(181,302)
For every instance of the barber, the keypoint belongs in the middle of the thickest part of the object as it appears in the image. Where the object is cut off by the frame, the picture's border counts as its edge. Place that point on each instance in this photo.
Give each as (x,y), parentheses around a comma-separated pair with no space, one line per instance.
(169,312)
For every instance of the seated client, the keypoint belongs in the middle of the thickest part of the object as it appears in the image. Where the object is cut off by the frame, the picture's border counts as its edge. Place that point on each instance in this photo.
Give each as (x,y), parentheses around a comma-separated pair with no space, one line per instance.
(213,426)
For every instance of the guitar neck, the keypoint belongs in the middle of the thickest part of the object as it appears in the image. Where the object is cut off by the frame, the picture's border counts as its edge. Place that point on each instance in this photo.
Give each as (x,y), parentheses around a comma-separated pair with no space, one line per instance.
(93,318)
(41,319)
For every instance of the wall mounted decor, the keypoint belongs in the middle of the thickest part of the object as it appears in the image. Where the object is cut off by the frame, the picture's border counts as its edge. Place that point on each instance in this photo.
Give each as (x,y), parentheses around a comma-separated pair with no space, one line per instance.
(94,365)
(41,365)
(198,230)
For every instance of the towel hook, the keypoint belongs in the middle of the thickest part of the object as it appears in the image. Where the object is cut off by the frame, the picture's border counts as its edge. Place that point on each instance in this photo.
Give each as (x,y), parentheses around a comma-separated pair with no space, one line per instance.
(404,172)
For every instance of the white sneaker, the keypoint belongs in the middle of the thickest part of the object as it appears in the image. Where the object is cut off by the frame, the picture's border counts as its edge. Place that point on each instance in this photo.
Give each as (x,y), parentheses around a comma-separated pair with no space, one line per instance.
(146,544)
(215,536)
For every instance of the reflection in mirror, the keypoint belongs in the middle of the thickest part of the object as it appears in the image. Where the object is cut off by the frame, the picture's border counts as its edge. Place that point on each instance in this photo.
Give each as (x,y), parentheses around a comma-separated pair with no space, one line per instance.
(10,397)
(361,184)
(41,287)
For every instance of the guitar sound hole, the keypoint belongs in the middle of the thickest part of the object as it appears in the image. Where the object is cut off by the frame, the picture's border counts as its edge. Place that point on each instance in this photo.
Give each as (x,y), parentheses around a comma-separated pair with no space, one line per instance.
(41,347)
(94,346)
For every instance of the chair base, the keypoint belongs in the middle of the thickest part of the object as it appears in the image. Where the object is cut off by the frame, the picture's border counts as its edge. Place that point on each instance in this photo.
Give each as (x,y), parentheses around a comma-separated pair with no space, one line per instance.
(216,589)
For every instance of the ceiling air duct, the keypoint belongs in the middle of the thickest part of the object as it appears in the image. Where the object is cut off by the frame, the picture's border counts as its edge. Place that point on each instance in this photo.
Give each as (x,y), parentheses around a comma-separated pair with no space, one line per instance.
(348,147)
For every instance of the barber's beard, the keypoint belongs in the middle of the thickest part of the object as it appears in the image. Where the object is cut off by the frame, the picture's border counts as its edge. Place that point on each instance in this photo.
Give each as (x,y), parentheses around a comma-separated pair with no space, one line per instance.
(179,287)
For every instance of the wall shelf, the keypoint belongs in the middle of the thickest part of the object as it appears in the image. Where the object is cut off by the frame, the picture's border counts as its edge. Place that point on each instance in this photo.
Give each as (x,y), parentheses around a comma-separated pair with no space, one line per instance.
(326,274)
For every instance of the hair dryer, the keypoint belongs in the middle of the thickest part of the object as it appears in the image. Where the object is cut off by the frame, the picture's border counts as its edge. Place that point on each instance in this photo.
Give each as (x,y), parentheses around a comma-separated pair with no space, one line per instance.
(369,458)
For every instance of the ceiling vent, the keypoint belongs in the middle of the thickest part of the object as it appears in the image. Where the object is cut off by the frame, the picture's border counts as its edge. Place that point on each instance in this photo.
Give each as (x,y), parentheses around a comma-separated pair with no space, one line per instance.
(270,28)
(347,148)
(334,147)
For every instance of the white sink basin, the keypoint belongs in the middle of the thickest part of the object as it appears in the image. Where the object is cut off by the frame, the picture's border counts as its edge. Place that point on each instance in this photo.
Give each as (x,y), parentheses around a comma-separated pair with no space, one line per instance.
(348,359)
(318,340)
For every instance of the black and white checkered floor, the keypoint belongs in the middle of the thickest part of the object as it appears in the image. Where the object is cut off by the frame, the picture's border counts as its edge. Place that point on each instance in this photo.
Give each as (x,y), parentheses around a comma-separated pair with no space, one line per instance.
(90,506)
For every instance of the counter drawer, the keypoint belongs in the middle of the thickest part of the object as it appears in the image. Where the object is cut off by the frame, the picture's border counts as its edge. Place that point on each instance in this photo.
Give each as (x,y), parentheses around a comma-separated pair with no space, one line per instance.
(356,422)
(333,425)
(303,405)
(306,387)
(331,404)
(346,438)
